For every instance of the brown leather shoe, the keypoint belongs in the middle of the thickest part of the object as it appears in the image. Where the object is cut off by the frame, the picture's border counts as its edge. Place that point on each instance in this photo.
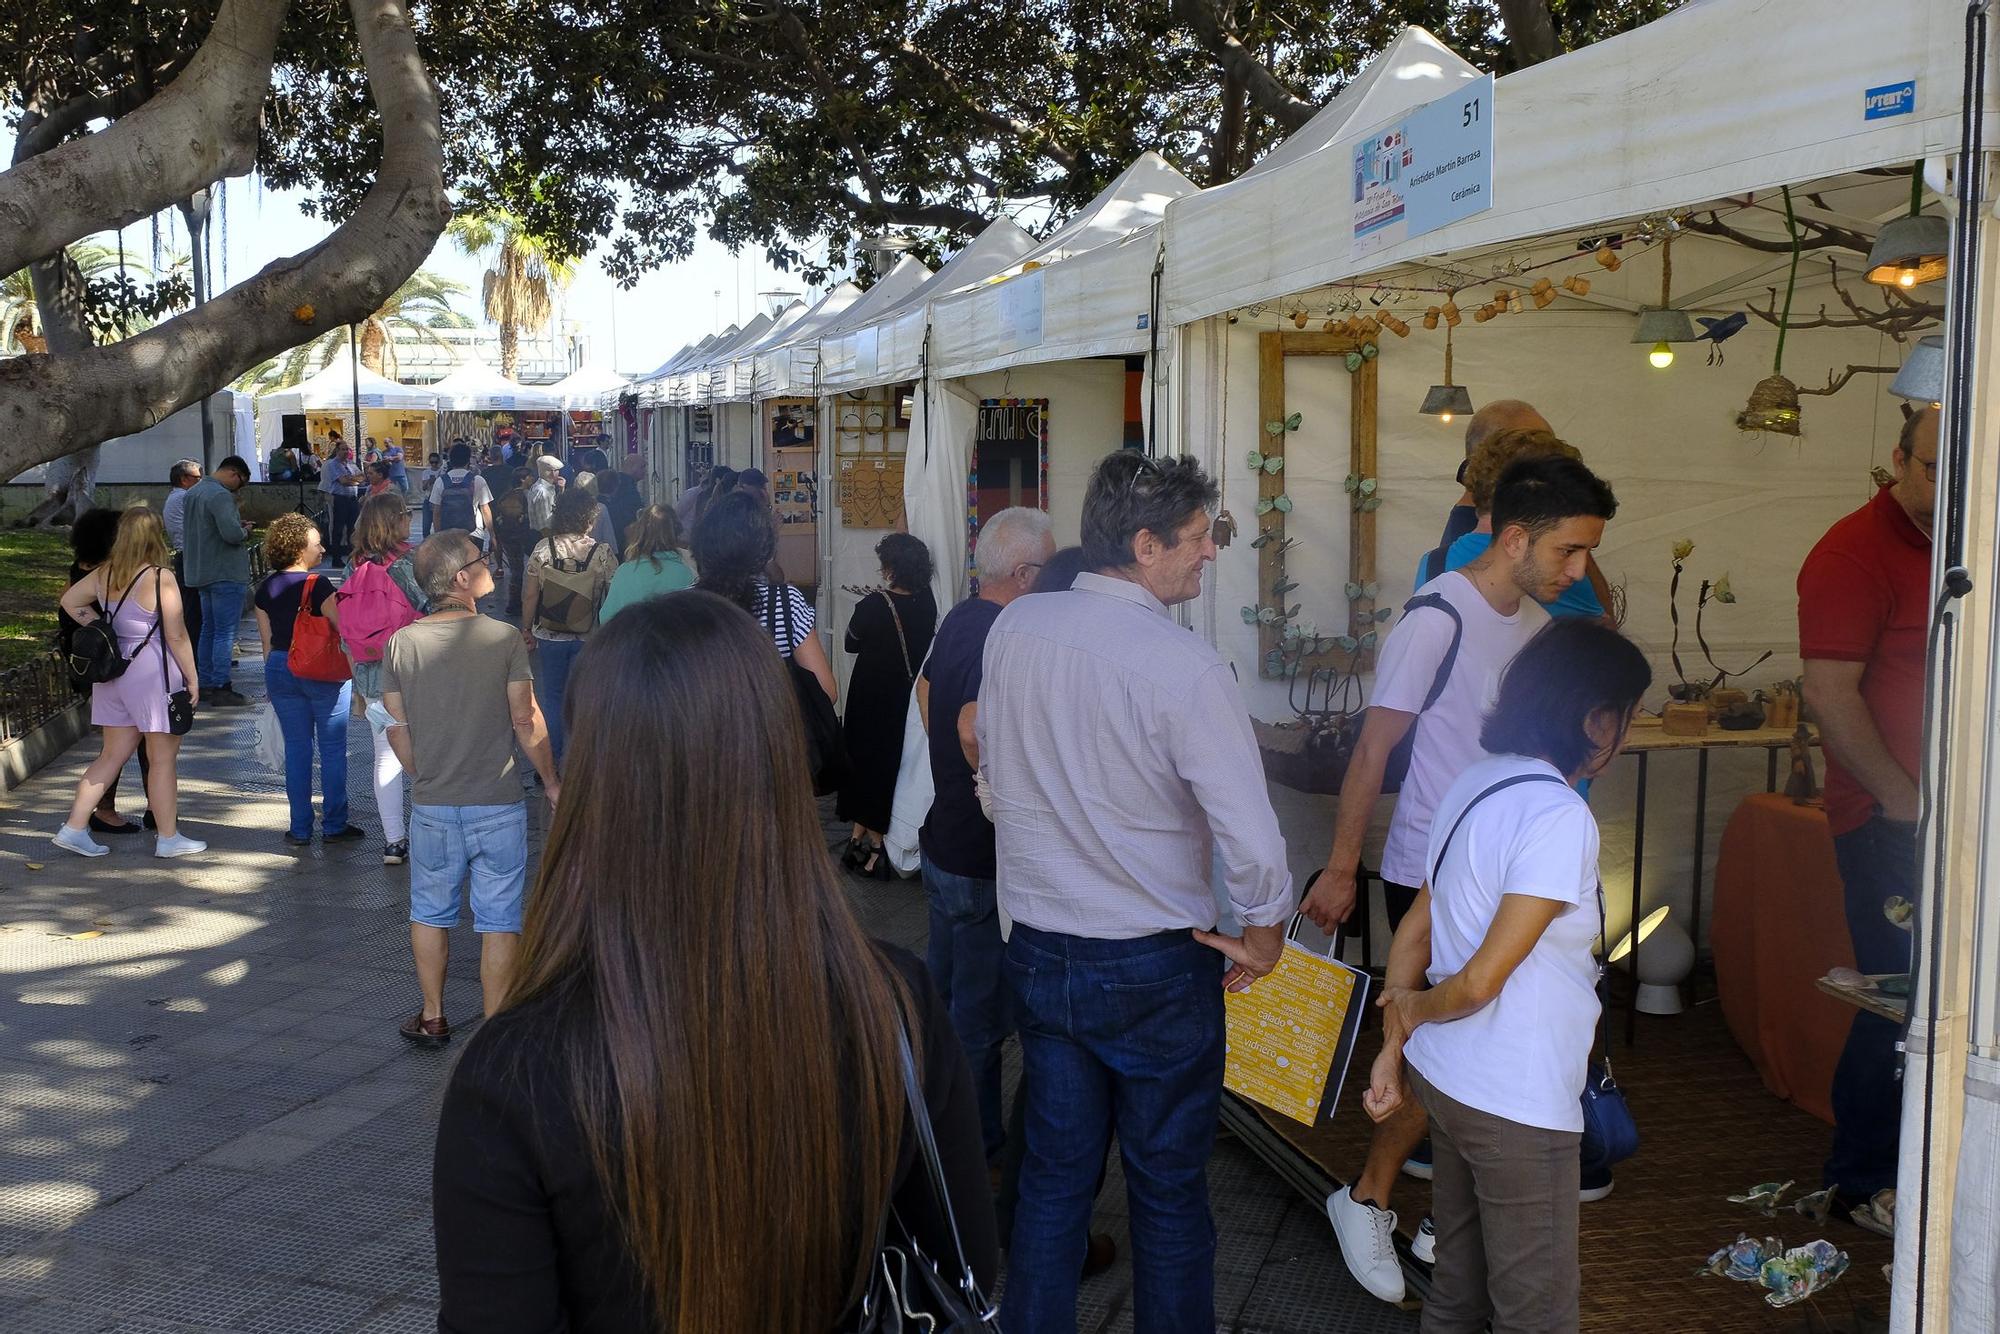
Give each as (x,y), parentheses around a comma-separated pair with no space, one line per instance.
(1100,1255)
(426,1032)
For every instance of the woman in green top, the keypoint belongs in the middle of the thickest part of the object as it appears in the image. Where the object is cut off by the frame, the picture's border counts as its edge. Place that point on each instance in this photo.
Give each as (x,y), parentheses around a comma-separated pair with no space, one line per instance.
(654,562)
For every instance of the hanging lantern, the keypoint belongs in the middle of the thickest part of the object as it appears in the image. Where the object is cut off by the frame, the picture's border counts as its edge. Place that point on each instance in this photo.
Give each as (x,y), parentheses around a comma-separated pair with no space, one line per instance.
(1447,400)
(1773,407)
(1664,326)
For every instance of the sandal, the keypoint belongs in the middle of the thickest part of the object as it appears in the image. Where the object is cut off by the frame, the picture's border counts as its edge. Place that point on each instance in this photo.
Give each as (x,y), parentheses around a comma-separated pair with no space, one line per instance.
(855,854)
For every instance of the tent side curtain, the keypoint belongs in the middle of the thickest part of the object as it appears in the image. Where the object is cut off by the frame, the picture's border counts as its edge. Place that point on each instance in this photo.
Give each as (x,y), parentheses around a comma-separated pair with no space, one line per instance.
(1713,100)
(1091,305)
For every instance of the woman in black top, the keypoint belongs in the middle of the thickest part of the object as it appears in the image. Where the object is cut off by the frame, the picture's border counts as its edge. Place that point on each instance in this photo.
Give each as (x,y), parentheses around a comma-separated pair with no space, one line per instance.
(888,636)
(688,1114)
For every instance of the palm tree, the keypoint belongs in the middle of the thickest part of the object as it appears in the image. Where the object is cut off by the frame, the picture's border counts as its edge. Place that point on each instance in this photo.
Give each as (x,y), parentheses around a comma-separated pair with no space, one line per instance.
(415,311)
(523,277)
(21,318)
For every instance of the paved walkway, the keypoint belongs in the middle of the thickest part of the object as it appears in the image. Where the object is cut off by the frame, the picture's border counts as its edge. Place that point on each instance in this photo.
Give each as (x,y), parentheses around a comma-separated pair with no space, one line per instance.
(207,1121)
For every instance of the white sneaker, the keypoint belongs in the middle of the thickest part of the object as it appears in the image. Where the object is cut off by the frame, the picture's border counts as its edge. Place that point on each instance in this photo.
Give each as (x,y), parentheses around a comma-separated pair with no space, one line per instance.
(1367,1242)
(180,845)
(1425,1247)
(80,842)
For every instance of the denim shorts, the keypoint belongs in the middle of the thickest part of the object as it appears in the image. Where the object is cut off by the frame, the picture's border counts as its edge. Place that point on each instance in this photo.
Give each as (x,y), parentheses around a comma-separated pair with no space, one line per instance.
(490,843)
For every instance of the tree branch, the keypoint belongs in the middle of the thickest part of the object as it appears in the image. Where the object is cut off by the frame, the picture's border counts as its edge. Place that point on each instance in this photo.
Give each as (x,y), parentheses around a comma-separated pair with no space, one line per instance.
(1264,88)
(1819,236)
(903,213)
(53,405)
(1033,136)
(795,36)
(201,128)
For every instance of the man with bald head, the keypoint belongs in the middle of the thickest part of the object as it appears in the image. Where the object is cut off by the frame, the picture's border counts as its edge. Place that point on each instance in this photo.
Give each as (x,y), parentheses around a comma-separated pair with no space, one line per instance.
(1864,614)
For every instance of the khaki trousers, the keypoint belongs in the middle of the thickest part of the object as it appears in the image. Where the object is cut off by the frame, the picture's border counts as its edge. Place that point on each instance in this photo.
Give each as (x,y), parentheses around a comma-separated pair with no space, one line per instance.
(1503,1200)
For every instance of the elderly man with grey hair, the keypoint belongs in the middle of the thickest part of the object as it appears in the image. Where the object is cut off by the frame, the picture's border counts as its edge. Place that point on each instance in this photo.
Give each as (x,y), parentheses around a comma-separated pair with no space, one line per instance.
(1123,771)
(965,952)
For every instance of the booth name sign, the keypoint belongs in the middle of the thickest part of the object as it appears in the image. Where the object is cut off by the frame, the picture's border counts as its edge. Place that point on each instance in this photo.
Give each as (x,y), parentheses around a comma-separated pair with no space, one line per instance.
(1433,167)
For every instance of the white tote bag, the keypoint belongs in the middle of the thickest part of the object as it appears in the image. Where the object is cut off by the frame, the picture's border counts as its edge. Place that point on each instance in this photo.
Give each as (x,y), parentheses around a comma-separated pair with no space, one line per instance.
(914,790)
(270,748)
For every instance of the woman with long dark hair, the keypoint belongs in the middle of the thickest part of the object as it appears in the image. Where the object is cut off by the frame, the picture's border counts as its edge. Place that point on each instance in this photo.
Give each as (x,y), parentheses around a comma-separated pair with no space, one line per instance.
(688,1116)
(733,547)
(889,636)
(1490,1004)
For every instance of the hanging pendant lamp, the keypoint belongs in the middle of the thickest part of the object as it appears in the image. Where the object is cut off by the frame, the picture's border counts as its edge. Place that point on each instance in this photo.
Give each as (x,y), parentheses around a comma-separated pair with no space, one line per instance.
(1912,249)
(1664,326)
(1447,400)
(1922,376)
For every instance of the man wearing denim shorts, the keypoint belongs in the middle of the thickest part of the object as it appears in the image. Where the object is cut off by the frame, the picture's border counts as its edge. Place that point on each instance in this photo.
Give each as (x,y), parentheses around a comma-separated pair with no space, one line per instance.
(459,693)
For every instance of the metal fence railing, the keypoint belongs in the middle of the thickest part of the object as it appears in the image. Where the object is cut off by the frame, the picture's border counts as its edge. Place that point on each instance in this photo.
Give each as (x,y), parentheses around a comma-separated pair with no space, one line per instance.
(31,694)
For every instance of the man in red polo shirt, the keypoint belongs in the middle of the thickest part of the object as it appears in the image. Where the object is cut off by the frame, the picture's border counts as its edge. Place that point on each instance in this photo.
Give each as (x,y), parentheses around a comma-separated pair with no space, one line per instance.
(1864,611)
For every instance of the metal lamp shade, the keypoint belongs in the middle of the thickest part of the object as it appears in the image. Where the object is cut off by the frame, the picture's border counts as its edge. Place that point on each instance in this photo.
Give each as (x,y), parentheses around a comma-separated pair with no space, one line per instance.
(1922,376)
(1664,326)
(1912,246)
(1446,398)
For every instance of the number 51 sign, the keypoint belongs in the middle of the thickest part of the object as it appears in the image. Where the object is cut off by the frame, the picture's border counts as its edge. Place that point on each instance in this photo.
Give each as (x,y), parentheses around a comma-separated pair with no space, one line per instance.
(1433,167)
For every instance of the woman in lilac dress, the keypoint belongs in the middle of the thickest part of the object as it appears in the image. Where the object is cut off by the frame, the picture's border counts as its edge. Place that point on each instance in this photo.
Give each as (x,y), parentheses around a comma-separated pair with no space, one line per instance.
(137,586)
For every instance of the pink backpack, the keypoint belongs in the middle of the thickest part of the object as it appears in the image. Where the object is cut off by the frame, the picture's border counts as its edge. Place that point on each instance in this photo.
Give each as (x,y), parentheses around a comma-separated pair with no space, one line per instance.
(372,608)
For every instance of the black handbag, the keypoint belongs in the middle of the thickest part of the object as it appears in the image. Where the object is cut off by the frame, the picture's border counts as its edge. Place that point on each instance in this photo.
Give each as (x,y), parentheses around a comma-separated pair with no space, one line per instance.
(826,749)
(180,704)
(94,657)
(1610,1135)
(906,1292)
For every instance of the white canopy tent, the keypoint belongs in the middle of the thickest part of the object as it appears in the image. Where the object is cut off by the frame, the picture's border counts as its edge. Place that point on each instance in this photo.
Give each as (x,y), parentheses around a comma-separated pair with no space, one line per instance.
(477,387)
(736,379)
(336,388)
(1056,325)
(885,345)
(587,387)
(687,383)
(1714,107)
(785,366)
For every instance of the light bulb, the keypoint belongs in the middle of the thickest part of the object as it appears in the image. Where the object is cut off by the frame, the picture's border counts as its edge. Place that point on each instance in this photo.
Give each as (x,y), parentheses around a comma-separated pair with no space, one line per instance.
(1906,278)
(1445,417)
(1662,356)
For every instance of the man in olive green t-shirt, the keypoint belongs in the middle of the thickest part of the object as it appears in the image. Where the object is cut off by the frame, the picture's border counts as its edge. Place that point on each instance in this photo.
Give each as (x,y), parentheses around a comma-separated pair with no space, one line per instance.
(458,688)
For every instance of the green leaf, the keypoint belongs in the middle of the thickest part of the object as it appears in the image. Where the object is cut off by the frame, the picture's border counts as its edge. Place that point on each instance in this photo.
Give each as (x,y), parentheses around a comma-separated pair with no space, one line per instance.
(1293,422)
(1370,351)
(1372,589)
(1249,616)
(1368,485)
(1255,460)
(1283,586)
(1370,505)
(1283,504)
(1381,614)
(1262,540)
(1348,642)
(1275,464)
(1369,640)
(1264,506)
(1274,428)
(1354,362)
(1267,615)
(1353,591)
(1292,610)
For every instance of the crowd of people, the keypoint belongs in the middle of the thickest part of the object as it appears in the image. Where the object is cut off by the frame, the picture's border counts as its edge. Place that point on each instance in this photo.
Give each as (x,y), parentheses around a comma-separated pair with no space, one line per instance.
(695,1060)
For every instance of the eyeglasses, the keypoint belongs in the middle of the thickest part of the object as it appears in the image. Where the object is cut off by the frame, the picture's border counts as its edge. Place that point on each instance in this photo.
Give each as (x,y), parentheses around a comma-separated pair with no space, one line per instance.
(1148,467)
(483,558)
(1929,467)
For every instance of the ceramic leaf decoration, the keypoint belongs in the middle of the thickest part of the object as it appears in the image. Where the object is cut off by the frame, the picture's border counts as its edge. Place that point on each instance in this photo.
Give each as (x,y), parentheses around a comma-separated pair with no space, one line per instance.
(1764,1196)
(1255,460)
(1353,591)
(1274,428)
(1293,422)
(1265,505)
(1368,486)
(1370,505)
(1351,484)
(1368,640)
(1348,642)
(1383,613)
(1283,587)
(1249,616)
(1283,504)
(1267,615)
(1262,540)
(1275,464)
(1354,362)
(1369,351)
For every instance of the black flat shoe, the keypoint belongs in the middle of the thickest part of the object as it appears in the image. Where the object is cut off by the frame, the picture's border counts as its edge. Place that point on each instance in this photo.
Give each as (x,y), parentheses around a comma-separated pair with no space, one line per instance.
(855,856)
(98,826)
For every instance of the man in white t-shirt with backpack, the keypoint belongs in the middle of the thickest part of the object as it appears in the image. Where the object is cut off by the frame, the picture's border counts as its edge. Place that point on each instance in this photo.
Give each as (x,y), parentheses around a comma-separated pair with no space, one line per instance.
(1436,676)
(460,498)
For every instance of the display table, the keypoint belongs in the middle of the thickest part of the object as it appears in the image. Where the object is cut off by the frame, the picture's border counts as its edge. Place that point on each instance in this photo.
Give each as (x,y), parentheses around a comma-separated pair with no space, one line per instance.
(1779,927)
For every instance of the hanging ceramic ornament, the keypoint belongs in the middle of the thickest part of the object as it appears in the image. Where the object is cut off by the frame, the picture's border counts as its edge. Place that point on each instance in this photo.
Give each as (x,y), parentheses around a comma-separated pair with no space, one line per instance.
(1431,317)
(1608,257)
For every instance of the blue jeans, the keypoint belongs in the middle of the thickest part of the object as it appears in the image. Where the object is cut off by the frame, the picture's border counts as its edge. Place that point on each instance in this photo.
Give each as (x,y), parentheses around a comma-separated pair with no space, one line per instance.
(489,843)
(309,711)
(965,957)
(1124,1033)
(221,611)
(553,659)
(1876,861)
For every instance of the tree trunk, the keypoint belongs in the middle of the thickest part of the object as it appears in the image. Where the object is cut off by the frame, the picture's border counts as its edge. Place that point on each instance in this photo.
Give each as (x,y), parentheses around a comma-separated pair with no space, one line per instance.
(1531,31)
(510,349)
(200,128)
(68,483)
(1265,89)
(373,341)
(56,404)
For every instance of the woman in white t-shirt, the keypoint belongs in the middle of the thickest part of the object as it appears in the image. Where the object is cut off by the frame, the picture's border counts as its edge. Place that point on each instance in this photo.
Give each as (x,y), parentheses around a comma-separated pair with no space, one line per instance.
(1497,1044)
